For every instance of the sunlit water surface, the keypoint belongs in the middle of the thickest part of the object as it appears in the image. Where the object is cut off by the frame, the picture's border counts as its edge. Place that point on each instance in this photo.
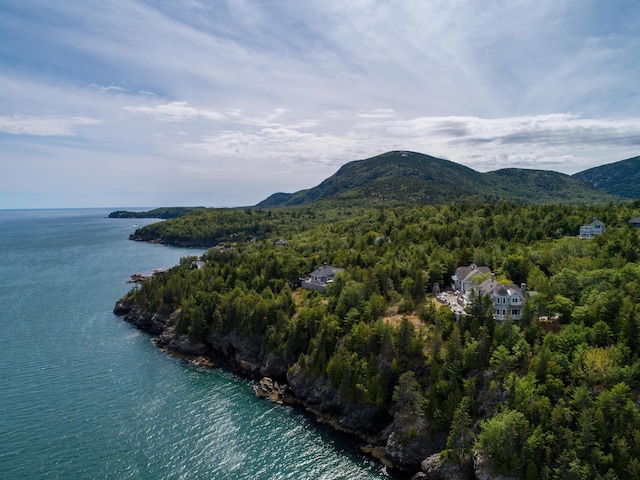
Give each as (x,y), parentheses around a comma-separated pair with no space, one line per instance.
(84,395)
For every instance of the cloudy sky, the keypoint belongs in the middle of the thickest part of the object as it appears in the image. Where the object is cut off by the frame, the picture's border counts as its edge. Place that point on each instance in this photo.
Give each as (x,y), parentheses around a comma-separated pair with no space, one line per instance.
(124,103)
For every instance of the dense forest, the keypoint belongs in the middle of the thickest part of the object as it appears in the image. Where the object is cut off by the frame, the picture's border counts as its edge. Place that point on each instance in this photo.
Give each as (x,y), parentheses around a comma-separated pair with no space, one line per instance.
(552,395)
(163,212)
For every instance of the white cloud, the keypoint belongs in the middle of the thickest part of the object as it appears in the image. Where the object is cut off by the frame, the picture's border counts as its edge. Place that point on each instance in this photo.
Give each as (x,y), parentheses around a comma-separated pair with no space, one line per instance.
(43,126)
(113,88)
(379,113)
(175,112)
(281,94)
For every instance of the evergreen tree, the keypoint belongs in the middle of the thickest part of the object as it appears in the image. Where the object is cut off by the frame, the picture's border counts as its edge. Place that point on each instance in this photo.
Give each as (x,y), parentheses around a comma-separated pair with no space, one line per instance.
(461,438)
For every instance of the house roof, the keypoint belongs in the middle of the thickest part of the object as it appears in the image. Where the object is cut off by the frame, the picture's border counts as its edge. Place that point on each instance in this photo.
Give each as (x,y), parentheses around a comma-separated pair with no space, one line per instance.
(594,223)
(515,290)
(465,273)
(488,286)
(635,220)
(325,270)
(502,291)
(492,287)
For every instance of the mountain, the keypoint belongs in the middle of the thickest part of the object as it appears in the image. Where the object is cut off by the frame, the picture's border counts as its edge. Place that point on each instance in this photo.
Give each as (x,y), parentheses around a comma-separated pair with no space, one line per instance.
(409,177)
(543,186)
(619,178)
(392,176)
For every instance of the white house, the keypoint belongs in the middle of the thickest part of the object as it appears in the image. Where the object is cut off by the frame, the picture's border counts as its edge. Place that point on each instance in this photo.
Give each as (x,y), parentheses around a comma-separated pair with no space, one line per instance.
(462,279)
(320,278)
(594,228)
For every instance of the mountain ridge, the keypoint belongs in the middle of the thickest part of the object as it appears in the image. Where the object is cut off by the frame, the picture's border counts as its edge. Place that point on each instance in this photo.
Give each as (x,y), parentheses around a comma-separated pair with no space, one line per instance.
(620,178)
(411,177)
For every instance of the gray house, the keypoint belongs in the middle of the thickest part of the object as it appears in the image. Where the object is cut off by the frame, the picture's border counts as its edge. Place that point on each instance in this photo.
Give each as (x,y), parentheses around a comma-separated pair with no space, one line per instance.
(594,228)
(197,264)
(320,278)
(462,279)
(507,299)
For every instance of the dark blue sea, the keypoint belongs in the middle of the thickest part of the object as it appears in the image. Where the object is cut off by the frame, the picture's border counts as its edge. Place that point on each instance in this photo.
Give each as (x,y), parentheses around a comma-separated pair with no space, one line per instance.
(83,395)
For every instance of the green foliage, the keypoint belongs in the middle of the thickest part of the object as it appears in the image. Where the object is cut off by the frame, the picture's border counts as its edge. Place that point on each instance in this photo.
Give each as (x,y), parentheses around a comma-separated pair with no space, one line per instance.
(461,438)
(561,383)
(503,438)
(163,212)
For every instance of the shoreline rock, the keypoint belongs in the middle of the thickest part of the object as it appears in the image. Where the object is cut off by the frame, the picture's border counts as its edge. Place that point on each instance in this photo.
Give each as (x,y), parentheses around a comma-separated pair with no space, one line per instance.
(278,382)
(175,243)
(436,467)
(270,389)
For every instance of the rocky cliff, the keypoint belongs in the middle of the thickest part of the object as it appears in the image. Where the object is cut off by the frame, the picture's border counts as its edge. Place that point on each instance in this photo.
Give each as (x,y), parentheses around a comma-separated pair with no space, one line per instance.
(284,380)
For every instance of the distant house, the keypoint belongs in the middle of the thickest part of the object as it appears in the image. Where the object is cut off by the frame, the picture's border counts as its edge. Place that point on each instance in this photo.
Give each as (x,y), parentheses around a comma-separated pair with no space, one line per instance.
(197,264)
(635,222)
(507,299)
(320,278)
(281,242)
(381,240)
(462,279)
(594,228)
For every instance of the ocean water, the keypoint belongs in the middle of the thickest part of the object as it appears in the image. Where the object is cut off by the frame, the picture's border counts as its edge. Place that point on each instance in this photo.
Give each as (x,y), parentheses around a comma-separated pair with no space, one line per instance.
(85,395)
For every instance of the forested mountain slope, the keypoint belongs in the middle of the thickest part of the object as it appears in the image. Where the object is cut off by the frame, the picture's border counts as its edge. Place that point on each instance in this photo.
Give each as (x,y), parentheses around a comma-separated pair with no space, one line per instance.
(395,176)
(413,178)
(619,178)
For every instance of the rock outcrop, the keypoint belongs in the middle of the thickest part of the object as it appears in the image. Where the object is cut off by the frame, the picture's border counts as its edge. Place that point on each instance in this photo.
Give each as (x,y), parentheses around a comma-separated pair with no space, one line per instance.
(172,342)
(436,467)
(319,396)
(410,441)
(483,470)
(132,313)
(270,389)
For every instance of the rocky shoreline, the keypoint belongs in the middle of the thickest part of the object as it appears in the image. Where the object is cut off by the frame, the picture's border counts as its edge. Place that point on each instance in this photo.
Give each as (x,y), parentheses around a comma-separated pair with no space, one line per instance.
(282,381)
(174,243)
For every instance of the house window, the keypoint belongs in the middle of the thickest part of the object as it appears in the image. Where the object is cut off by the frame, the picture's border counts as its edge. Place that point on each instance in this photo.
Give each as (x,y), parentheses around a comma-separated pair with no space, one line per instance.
(515,312)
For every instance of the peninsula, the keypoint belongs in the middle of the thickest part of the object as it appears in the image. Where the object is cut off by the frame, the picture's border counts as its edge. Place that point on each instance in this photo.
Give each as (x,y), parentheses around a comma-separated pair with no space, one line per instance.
(541,390)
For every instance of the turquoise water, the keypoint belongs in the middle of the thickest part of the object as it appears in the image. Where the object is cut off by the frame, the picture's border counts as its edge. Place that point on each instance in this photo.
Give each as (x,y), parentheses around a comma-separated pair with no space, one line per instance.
(84,395)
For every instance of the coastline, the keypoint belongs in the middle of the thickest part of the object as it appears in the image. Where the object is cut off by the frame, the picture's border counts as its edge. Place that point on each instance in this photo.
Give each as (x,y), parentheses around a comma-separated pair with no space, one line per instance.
(278,383)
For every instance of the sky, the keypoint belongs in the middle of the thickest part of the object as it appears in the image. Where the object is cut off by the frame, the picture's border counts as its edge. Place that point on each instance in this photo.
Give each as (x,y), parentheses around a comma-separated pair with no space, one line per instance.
(144,103)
